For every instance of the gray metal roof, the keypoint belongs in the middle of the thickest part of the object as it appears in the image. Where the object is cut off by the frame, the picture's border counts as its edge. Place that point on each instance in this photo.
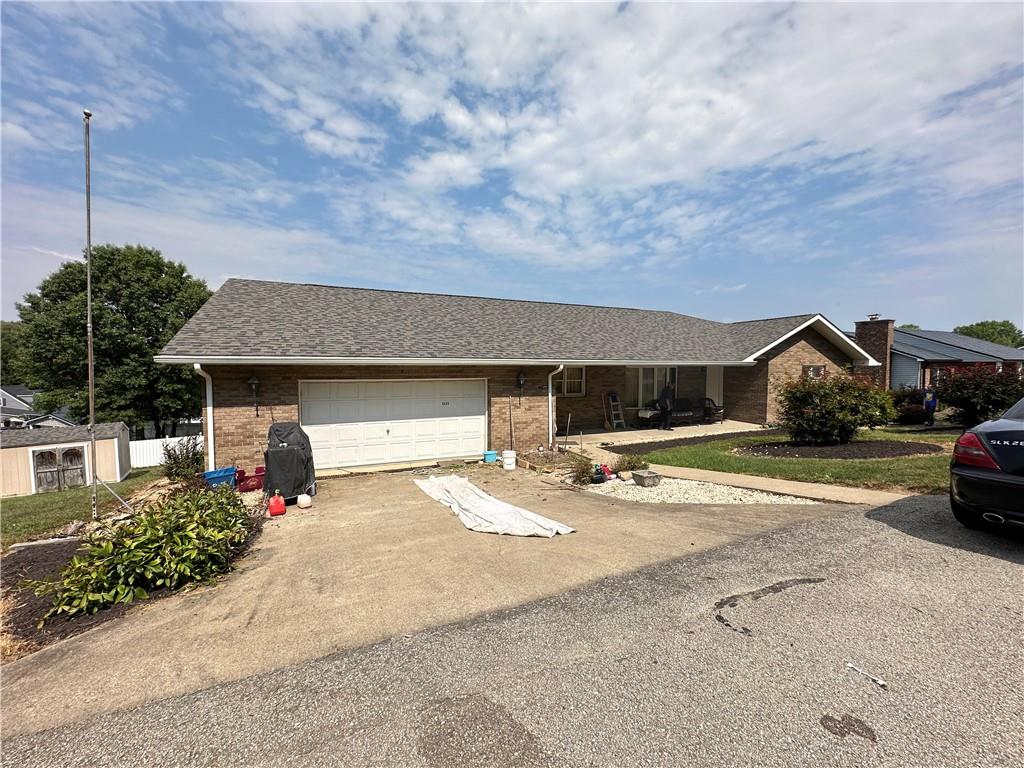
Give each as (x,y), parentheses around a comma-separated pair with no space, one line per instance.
(252,318)
(19,438)
(965,344)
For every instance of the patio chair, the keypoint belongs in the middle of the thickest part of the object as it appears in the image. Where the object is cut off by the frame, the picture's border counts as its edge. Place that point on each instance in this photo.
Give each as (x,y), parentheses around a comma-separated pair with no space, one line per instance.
(713,411)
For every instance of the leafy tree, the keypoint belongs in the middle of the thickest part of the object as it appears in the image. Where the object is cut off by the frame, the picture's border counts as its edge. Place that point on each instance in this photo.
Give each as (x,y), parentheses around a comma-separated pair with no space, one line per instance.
(140,300)
(977,394)
(830,410)
(909,327)
(997,331)
(12,344)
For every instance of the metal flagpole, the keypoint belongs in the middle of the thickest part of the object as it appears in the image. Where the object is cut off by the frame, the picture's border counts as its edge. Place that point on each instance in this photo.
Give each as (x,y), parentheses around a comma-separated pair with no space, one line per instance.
(86,114)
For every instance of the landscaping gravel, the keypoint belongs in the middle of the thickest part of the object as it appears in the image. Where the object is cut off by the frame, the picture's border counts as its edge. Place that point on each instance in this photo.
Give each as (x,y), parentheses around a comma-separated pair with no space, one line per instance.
(673,491)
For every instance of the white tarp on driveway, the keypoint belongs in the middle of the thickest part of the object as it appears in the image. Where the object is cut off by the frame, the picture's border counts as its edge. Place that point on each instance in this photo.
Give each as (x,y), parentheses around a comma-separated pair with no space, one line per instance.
(482,512)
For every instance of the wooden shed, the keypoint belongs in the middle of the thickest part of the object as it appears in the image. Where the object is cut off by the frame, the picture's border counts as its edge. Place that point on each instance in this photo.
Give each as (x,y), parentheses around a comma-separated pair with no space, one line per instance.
(55,458)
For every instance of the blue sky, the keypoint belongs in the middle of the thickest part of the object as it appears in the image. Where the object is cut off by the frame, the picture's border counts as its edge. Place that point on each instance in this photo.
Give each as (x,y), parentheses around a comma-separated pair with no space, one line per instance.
(726,161)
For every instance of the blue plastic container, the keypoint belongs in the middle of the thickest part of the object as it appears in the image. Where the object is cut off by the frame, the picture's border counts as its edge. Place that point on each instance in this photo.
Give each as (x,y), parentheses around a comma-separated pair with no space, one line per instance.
(220,476)
(490,457)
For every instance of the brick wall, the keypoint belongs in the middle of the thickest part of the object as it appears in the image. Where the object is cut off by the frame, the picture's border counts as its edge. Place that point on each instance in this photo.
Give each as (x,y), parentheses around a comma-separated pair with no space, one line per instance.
(588,411)
(240,435)
(876,338)
(788,359)
(750,393)
(745,393)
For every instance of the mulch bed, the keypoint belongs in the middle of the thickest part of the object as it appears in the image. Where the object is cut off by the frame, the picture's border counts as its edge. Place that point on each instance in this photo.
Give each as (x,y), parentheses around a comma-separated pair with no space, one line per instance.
(858,449)
(640,449)
(43,561)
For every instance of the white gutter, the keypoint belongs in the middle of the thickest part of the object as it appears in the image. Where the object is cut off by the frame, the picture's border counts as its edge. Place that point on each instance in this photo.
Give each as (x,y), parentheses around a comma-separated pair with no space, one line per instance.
(313,360)
(551,403)
(210,462)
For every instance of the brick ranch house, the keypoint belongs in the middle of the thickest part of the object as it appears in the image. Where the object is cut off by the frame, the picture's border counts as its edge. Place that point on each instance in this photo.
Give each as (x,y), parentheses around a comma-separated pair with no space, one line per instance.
(918,358)
(385,377)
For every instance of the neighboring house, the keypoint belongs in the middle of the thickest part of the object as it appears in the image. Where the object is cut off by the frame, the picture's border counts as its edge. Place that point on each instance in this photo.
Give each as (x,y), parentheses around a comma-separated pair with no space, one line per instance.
(14,411)
(384,377)
(37,460)
(917,358)
(17,410)
(55,419)
(24,394)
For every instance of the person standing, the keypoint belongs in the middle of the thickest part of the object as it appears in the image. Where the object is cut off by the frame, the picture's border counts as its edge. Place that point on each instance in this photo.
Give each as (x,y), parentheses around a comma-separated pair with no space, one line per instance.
(666,401)
(931,403)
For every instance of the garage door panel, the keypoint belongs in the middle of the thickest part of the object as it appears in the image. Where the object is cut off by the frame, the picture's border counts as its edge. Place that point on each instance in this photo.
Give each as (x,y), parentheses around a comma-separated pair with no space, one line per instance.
(317,390)
(317,412)
(401,409)
(345,390)
(375,422)
(374,410)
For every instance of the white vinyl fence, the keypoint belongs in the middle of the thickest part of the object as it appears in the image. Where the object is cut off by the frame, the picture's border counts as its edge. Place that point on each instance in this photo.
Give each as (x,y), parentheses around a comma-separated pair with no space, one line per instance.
(150,453)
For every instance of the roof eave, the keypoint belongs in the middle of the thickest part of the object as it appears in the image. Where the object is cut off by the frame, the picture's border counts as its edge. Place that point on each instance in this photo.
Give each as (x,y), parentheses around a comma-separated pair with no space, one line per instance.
(838,337)
(314,360)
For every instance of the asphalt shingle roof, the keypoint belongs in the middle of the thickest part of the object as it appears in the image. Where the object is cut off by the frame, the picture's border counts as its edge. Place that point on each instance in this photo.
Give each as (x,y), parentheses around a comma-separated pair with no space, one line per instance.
(246,318)
(966,344)
(19,438)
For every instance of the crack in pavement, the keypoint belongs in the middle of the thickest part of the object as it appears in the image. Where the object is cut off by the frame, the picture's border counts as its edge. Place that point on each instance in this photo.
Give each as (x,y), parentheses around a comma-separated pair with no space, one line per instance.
(734,600)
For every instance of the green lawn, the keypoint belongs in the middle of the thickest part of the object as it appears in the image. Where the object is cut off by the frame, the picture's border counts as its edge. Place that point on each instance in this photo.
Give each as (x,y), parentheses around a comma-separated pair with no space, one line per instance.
(922,474)
(29,517)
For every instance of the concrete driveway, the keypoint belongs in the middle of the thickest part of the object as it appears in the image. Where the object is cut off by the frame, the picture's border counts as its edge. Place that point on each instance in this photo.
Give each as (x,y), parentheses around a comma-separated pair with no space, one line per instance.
(374,558)
(736,656)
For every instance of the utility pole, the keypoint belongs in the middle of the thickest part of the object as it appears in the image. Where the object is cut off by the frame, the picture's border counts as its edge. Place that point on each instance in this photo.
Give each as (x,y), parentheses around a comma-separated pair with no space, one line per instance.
(86,115)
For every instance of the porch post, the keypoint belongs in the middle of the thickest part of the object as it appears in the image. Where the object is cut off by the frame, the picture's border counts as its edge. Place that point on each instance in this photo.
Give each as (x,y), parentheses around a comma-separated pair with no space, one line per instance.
(714,383)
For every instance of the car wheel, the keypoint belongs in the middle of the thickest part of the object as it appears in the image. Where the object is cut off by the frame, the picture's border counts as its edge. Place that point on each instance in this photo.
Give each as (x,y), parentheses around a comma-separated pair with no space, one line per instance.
(964,516)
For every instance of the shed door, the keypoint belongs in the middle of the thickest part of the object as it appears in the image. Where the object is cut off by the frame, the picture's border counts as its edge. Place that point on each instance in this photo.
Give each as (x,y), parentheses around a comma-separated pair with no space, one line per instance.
(356,423)
(47,469)
(72,467)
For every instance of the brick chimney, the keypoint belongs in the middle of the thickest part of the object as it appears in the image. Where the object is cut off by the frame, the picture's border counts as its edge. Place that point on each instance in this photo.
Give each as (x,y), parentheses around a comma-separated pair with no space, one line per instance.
(875,336)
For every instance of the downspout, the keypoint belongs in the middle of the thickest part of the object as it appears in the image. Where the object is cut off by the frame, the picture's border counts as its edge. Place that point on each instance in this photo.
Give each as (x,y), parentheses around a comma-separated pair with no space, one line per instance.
(551,404)
(210,462)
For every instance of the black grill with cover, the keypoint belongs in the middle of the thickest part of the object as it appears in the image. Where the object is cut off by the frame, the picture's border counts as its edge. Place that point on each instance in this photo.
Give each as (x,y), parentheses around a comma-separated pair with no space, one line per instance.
(289,461)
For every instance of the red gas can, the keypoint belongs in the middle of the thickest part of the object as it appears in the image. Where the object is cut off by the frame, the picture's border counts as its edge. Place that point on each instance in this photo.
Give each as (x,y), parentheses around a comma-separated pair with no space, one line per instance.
(276,505)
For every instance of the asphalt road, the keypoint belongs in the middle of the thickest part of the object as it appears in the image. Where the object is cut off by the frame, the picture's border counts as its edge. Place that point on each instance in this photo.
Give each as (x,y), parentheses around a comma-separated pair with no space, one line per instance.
(736,656)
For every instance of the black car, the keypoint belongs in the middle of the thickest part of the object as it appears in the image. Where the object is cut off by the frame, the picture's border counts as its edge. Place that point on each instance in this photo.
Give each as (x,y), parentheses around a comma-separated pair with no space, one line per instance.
(986,475)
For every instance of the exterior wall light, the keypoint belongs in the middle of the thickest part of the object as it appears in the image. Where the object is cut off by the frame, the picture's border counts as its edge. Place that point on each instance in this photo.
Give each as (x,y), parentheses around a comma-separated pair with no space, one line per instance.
(255,384)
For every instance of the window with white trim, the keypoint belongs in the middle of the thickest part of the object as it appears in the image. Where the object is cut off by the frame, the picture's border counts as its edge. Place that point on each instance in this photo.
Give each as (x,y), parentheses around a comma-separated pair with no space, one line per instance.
(572,382)
(649,383)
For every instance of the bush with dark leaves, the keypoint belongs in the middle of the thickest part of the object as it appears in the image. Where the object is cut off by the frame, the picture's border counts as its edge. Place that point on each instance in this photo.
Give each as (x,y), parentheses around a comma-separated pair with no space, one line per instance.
(830,410)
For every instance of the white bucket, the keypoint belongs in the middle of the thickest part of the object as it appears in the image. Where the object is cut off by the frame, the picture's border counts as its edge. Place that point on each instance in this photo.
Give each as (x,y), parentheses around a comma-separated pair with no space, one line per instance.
(508,459)
(304,501)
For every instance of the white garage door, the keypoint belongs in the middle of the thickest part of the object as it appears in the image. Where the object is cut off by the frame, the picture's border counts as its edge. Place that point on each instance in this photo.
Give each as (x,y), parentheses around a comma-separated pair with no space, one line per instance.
(354,423)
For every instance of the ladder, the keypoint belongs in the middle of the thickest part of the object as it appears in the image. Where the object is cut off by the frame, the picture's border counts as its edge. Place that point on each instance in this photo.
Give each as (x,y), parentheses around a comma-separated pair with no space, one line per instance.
(615,407)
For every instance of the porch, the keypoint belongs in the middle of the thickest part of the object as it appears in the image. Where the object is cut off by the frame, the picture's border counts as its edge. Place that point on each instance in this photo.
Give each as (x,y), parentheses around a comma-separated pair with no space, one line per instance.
(582,396)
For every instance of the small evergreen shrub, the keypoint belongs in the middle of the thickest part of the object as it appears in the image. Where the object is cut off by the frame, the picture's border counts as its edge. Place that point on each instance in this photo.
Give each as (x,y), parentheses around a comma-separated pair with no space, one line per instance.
(630,462)
(192,536)
(830,410)
(184,459)
(979,394)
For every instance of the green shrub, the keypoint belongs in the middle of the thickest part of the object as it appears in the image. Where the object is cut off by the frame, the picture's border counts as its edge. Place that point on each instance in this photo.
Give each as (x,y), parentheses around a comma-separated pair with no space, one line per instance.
(193,536)
(184,459)
(911,413)
(629,462)
(830,410)
(979,394)
(904,395)
(582,470)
